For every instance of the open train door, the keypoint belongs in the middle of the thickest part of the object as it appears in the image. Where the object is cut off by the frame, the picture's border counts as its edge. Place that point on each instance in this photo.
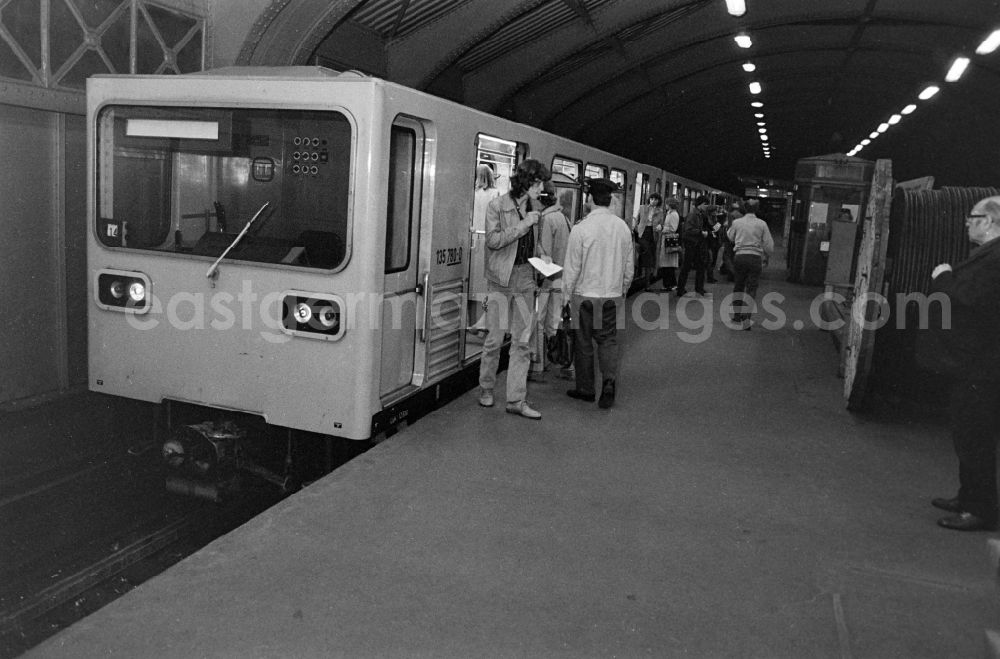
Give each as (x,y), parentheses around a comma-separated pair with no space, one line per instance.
(400,306)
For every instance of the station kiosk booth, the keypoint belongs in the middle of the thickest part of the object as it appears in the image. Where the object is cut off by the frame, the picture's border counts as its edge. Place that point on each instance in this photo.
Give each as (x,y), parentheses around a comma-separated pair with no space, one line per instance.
(829,206)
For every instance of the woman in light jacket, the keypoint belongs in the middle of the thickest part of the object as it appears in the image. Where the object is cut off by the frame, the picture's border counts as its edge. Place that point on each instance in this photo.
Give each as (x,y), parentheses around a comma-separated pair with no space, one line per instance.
(668,259)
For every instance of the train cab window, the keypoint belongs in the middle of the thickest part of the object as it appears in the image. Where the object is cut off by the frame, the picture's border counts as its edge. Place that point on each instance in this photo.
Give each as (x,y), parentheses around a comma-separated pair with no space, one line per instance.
(188,180)
(568,168)
(595,171)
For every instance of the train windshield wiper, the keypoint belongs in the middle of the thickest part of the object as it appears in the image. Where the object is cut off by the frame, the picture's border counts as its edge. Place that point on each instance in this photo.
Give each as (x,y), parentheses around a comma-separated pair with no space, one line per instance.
(212,271)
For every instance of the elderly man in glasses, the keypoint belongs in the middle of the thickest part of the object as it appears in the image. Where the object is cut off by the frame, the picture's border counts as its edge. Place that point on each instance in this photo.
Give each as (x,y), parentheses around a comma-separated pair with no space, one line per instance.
(972,344)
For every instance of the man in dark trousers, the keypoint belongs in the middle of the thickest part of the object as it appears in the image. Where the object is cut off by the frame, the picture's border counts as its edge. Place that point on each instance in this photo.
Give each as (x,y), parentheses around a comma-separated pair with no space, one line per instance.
(694,236)
(598,271)
(972,346)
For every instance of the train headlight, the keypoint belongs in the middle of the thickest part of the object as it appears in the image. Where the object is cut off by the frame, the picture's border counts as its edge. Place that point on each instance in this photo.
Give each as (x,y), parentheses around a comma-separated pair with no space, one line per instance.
(303,313)
(328,317)
(137,292)
(120,290)
(117,289)
(313,315)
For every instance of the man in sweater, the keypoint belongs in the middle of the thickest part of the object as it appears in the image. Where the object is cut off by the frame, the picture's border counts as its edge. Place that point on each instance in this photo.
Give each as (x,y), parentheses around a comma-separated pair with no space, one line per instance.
(752,243)
(597,274)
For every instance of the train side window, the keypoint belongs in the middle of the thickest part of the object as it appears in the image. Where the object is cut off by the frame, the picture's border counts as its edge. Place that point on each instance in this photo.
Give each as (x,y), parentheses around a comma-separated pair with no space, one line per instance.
(620,177)
(595,171)
(400,198)
(567,167)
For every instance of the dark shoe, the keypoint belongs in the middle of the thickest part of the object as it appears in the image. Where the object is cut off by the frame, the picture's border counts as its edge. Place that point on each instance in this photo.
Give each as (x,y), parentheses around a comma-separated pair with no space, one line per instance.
(966,522)
(712,281)
(680,292)
(951,505)
(579,395)
(704,294)
(607,395)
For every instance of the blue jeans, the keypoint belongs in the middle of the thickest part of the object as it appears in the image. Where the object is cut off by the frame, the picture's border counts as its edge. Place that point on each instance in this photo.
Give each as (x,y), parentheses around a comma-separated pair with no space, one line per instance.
(511,309)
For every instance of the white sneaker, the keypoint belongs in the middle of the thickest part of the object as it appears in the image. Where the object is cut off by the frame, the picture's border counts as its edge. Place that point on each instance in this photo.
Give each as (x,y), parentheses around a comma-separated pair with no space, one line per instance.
(522,408)
(486,397)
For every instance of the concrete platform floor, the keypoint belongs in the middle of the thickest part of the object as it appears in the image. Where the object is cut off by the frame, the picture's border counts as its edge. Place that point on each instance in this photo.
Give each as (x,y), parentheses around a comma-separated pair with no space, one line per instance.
(727,506)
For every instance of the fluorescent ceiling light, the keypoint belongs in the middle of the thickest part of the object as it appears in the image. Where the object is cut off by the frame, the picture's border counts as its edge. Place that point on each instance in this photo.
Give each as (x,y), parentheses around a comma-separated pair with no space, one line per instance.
(743,40)
(749,67)
(928,92)
(763,137)
(759,115)
(736,7)
(895,119)
(755,88)
(866,142)
(908,109)
(757,104)
(989,44)
(762,131)
(874,134)
(957,69)
(761,123)
(882,127)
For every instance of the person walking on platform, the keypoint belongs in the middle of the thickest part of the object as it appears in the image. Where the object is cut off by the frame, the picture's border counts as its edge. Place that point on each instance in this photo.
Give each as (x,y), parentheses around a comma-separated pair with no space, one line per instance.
(972,348)
(553,234)
(510,280)
(598,272)
(694,237)
(752,244)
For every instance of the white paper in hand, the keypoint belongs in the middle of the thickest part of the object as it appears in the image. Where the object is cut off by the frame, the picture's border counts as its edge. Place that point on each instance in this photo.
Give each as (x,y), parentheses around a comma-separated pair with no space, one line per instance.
(547,269)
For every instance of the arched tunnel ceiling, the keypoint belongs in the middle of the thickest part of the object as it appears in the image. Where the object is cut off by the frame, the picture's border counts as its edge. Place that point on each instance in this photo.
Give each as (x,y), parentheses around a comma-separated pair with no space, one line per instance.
(662,81)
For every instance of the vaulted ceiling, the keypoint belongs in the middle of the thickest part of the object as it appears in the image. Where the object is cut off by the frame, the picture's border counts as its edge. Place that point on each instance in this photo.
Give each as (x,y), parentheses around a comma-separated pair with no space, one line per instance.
(662,81)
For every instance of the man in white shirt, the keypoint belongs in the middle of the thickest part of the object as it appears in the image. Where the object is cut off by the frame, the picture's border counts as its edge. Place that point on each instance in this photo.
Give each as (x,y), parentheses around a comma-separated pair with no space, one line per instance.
(598,271)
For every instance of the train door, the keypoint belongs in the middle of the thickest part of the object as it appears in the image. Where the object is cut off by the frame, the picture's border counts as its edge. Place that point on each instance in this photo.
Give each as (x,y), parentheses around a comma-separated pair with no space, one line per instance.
(618,202)
(641,193)
(501,157)
(566,178)
(402,238)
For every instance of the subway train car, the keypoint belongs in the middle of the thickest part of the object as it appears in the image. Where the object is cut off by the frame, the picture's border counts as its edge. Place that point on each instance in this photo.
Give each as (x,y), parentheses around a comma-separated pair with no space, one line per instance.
(292,249)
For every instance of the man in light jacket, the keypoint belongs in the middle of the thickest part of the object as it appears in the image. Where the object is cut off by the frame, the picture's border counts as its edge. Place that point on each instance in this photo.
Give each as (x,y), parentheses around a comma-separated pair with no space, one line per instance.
(511,239)
(752,243)
(598,271)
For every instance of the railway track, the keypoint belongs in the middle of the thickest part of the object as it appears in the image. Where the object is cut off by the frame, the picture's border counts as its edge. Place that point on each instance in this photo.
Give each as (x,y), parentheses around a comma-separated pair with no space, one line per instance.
(39,595)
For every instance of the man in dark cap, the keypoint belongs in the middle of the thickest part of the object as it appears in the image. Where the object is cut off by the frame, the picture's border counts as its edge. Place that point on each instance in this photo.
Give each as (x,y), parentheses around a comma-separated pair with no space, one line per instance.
(598,270)
(694,236)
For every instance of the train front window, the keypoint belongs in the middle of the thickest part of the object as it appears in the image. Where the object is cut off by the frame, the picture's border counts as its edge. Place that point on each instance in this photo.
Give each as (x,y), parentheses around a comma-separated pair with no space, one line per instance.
(187,180)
